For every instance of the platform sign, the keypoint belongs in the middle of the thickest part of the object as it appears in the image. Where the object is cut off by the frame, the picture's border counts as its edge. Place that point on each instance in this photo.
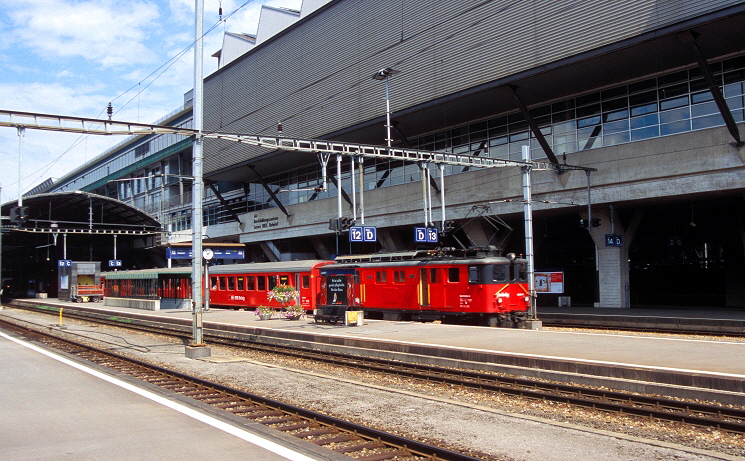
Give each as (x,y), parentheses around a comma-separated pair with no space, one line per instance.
(363,234)
(115,263)
(426,235)
(613,240)
(178,253)
(549,282)
(219,253)
(64,263)
(229,253)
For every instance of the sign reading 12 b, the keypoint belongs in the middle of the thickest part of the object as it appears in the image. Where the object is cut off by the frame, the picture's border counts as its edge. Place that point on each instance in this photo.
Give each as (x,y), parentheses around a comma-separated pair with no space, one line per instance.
(426,235)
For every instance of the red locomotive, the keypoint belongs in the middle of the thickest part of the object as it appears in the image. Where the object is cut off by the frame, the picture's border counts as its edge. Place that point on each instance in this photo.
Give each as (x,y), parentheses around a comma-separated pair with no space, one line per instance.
(452,285)
(474,286)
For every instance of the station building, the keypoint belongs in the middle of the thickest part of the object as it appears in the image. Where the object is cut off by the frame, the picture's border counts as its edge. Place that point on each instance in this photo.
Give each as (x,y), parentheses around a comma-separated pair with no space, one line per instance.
(646,95)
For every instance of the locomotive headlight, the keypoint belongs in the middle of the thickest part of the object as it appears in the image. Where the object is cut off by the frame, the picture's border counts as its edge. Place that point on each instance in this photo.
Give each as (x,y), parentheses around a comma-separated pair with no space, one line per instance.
(500,300)
(527,299)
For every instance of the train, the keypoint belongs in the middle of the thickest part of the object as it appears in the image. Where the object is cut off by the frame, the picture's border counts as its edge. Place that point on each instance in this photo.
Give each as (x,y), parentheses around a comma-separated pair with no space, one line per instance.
(473,285)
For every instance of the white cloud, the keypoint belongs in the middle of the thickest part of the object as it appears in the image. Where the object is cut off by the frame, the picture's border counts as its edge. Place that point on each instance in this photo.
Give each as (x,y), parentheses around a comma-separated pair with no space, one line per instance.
(108,32)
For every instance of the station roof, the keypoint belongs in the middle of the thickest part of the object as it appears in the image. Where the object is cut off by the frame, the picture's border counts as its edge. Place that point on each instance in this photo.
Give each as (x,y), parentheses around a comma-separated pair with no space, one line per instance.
(78,211)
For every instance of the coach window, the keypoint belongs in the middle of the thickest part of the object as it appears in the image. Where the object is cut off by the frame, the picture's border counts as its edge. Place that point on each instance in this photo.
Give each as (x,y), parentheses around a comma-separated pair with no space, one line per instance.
(453,275)
(380,277)
(231,283)
(213,286)
(241,284)
(251,283)
(261,282)
(473,274)
(306,281)
(222,283)
(272,281)
(499,273)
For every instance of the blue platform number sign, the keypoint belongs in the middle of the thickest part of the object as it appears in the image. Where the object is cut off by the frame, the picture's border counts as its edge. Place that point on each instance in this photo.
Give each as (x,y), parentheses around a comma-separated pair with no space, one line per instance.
(363,234)
(426,235)
(115,263)
(64,263)
(613,240)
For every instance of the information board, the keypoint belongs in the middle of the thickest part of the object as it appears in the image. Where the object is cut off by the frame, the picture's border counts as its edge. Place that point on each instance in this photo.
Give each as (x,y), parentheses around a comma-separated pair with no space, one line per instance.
(549,282)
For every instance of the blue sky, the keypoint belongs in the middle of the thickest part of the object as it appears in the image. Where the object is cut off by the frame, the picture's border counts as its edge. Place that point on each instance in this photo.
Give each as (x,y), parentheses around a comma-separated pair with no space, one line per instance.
(73,57)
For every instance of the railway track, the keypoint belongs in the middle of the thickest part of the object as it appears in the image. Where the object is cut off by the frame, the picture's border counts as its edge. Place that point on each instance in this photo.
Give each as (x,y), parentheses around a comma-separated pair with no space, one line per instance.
(652,407)
(342,437)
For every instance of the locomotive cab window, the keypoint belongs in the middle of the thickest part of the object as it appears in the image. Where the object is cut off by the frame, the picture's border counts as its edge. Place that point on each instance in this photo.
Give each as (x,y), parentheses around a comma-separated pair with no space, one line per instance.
(213,285)
(453,275)
(306,281)
(433,277)
(499,273)
(519,272)
(474,275)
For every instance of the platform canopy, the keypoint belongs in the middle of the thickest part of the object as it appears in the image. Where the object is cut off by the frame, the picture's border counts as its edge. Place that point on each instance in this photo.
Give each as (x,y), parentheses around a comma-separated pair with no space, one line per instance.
(77,212)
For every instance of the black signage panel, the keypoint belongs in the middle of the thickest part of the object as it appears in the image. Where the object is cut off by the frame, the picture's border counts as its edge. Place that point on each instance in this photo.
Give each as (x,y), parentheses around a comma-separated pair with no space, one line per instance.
(336,289)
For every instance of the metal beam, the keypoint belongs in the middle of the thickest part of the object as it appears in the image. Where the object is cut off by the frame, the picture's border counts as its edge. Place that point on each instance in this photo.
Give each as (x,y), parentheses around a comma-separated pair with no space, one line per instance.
(716,91)
(224,202)
(269,191)
(61,123)
(536,132)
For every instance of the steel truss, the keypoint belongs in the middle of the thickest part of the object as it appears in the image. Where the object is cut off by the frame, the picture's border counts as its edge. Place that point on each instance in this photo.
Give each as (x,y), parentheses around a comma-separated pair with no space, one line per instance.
(49,122)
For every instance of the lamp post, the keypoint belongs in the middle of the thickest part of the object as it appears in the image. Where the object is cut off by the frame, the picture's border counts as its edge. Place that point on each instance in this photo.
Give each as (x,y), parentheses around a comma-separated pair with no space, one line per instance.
(384,74)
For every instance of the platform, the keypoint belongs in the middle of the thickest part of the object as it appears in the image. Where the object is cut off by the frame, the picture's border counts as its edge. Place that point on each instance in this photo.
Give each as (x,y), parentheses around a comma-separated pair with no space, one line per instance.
(648,363)
(55,407)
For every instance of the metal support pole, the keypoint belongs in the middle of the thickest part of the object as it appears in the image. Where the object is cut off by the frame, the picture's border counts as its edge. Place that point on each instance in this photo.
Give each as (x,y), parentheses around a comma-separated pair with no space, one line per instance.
(387,113)
(21,134)
(442,193)
(114,246)
(424,193)
(338,183)
(197,186)
(589,202)
(528,211)
(362,190)
(354,188)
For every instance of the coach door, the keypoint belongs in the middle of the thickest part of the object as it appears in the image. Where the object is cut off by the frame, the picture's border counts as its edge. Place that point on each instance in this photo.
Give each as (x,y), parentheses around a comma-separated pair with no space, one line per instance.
(423,287)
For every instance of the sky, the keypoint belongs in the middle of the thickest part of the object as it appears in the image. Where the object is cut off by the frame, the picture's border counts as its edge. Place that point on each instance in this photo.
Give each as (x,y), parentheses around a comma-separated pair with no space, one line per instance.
(73,57)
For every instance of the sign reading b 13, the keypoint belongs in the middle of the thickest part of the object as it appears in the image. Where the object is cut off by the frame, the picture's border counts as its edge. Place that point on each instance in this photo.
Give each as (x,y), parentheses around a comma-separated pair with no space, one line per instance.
(426,235)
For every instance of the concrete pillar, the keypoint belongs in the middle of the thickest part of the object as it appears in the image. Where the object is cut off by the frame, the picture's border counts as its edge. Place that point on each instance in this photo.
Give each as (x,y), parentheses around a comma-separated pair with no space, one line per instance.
(613,261)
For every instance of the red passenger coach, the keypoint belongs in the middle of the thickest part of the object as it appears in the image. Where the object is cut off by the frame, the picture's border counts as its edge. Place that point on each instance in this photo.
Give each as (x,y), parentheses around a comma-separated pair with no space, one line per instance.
(470,285)
(248,285)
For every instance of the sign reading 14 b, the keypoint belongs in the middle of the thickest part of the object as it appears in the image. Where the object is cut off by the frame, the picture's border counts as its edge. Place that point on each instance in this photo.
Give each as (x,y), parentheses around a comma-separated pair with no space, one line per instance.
(363,234)
(425,235)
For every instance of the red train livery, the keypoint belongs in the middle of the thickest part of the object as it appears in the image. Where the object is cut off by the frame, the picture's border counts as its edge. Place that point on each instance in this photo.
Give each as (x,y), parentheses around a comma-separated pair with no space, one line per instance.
(474,286)
(450,285)
(247,285)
